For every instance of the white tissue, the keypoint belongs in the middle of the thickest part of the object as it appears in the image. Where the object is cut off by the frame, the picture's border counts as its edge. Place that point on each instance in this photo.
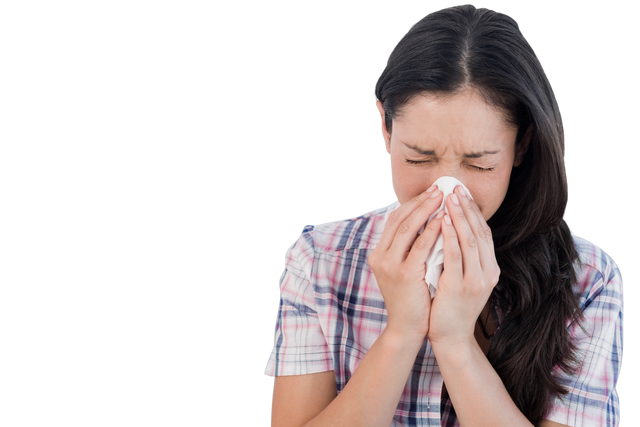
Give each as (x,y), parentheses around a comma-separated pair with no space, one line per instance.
(435,259)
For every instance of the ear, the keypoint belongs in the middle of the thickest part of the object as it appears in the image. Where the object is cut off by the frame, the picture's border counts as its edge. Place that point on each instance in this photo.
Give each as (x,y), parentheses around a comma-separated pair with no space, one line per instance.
(522,147)
(385,134)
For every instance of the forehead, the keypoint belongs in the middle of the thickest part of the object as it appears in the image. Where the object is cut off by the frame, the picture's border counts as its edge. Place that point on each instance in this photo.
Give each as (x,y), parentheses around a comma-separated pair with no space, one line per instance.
(464,122)
(458,105)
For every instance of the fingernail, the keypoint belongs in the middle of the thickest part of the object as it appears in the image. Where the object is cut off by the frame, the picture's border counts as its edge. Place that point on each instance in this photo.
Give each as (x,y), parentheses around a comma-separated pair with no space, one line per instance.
(435,194)
(447,219)
(461,191)
(440,214)
(433,187)
(454,199)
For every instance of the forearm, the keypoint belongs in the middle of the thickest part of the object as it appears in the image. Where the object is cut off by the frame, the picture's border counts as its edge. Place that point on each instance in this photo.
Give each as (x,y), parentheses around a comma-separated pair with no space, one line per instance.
(371,396)
(475,389)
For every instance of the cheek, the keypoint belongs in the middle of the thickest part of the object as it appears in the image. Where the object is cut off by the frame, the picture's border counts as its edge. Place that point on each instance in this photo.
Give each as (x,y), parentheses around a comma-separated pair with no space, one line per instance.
(489,196)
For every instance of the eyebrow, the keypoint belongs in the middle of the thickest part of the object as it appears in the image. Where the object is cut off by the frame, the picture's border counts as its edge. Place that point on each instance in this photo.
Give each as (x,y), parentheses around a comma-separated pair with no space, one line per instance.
(468,155)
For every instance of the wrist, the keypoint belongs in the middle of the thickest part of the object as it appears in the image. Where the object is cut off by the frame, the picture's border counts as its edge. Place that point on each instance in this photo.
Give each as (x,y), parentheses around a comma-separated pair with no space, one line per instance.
(401,340)
(457,354)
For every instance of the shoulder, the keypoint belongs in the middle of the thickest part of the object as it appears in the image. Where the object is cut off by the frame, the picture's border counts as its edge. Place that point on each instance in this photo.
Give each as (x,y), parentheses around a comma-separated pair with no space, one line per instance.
(360,232)
(596,272)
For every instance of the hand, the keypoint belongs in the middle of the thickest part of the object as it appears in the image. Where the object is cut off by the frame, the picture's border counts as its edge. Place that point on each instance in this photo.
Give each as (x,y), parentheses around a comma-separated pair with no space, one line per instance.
(469,276)
(398,263)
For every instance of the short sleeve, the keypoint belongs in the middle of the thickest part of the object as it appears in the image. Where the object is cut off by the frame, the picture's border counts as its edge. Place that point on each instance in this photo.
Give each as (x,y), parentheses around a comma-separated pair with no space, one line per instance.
(300,346)
(592,398)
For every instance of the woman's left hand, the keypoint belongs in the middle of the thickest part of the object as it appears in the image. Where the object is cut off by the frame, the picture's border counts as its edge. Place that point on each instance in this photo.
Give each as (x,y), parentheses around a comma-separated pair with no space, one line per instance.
(470,273)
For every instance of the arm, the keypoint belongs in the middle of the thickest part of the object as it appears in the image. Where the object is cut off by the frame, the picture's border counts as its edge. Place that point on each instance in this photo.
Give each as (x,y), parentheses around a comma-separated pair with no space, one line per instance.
(471,271)
(476,390)
(371,396)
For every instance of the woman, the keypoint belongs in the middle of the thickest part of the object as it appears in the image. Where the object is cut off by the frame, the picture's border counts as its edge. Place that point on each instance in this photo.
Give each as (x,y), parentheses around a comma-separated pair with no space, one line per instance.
(525,326)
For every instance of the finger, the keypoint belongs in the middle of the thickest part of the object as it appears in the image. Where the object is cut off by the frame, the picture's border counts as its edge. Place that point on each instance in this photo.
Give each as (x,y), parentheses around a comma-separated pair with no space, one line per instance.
(474,215)
(479,227)
(399,215)
(463,227)
(424,242)
(408,229)
(466,238)
(452,252)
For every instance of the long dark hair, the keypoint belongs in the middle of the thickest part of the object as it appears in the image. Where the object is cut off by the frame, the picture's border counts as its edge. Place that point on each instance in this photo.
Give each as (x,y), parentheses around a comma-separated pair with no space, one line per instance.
(464,47)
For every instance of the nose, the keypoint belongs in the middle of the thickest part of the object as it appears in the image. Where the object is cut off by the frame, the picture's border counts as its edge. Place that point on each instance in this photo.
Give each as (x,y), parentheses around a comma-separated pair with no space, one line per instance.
(447,184)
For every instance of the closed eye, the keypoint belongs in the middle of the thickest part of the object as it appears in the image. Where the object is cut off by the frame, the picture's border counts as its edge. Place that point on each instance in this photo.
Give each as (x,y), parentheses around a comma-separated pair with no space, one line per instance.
(415,162)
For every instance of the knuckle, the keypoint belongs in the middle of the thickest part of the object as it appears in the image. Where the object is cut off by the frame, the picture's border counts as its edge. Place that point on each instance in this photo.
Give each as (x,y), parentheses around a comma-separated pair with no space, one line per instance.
(495,277)
(460,214)
(422,206)
(404,226)
(373,259)
(385,268)
(421,242)
(475,288)
(433,226)
(482,233)
(489,233)
(472,242)
(425,210)
(485,232)
(456,255)
(393,217)
(474,207)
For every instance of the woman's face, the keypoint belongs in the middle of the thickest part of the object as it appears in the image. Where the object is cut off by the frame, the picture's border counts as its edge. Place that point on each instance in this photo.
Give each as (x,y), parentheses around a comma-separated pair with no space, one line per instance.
(459,136)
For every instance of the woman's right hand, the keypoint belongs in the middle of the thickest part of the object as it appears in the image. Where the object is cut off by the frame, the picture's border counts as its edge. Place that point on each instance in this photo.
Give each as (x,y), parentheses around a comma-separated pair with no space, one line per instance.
(398,263)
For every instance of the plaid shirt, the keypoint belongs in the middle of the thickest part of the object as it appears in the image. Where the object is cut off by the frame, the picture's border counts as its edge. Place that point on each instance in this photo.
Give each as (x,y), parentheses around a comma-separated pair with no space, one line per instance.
(331,312)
